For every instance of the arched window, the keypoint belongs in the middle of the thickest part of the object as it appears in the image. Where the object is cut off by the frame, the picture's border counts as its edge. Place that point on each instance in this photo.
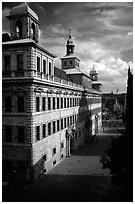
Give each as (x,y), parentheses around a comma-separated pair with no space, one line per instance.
(33,31)
(19,29)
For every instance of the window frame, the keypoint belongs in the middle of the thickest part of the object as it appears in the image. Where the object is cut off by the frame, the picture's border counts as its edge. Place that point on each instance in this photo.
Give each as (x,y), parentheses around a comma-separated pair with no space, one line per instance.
(49,128)
(8,104)
(44,130)
(20,141)
(37,132)
(49,102)
(38,64)
(38,104)
(19,62)
(7,63)
(20,104)
(54,151)
(44,103)
(54,126)
(44,67)
(50,69)
(9,132)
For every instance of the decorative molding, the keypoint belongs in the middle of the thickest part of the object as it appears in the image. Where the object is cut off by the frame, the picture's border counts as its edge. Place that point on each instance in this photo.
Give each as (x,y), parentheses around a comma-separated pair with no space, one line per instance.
(39,89)
(58,91)
(50,91)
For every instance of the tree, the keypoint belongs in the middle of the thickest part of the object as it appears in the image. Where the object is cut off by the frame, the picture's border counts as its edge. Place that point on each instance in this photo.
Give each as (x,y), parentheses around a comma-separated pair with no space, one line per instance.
(117,160)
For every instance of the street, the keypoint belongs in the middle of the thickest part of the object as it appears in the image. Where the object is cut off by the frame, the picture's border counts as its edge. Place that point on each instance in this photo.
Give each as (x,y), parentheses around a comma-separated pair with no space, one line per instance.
(79,178)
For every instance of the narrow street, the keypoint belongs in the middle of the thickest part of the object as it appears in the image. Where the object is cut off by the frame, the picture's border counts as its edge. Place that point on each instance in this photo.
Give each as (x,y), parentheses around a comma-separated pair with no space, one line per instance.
(79,178)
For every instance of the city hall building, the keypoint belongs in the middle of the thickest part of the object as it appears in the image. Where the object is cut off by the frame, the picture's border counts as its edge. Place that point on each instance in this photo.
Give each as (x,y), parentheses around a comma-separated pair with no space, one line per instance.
(48,112)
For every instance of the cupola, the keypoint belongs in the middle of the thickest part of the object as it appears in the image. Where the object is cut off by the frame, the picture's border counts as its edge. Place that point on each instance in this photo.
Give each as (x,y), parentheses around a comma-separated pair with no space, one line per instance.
(93,74)
(24,23)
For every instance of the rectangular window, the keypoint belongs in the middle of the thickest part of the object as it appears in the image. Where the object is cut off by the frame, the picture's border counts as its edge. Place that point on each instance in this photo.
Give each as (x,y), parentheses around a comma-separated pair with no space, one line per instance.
(54,151)
(49,103)
(7,62)
(70,63)
(43,103)
(20,134)
(20,103)
(50,69)
(73,119)
(62,145)
(53,126)
(19,62)
(45,157)
(68,102)
(38,64)
(65,125)
(58,125)
(37,104)
(65,63)
(73,102)
(44,130)
(61,102)
(44,67)
(61,124)
(8,104)
(49,128)
(8,133)
(38,133)
(8,165)
(57,103)
(64,102)
(68,121)
(53,102)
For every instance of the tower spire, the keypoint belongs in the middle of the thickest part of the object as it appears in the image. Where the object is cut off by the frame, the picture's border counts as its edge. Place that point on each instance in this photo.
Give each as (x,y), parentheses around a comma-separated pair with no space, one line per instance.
(70,29)
(70,44)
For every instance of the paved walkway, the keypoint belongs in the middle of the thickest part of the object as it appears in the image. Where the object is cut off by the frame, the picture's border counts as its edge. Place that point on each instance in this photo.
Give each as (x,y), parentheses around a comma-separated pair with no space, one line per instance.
(78,178)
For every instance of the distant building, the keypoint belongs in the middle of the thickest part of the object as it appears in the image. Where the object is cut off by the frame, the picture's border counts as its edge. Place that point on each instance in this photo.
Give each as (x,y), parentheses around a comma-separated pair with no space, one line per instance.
(48,112)
(114,102)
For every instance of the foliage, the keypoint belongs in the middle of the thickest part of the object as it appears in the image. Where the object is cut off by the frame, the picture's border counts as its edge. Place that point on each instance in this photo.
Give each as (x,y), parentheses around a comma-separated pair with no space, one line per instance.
(118,160)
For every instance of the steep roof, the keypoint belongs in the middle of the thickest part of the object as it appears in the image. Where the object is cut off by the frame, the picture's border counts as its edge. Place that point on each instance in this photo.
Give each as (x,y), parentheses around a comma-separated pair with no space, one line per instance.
(59,73)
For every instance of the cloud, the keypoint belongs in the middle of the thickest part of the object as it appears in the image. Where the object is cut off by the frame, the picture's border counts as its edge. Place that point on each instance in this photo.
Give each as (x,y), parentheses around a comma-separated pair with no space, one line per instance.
(57,29)
(102,33)
(5,21)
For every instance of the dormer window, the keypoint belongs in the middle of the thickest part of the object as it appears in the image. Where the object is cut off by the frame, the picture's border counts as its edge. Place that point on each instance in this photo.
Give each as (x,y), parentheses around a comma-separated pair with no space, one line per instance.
(18,29)
(65,63)
(33,31)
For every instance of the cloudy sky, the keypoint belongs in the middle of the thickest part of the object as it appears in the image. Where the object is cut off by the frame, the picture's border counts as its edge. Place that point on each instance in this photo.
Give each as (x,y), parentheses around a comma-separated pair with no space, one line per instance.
(102,34)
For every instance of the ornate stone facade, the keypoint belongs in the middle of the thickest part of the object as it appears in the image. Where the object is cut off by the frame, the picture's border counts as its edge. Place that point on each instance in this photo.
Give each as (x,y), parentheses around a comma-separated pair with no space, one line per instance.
(45,117)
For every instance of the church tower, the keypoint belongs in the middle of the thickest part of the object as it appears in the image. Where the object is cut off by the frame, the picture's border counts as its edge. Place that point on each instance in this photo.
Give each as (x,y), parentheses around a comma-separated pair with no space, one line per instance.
(24,23)
(70,61)
(95,83)
(70,45)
